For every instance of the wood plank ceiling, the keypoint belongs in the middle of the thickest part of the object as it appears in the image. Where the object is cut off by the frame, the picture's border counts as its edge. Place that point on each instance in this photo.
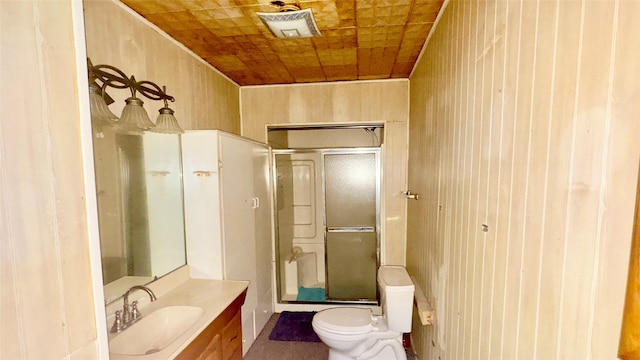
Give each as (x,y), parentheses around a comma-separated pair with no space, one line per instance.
(361,39)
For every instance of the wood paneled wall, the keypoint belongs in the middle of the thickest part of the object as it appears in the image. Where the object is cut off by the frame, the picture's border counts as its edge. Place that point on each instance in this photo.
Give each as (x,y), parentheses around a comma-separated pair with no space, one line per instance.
(117,36)
(524,116)
(47,306)
(46,300)
(345,102)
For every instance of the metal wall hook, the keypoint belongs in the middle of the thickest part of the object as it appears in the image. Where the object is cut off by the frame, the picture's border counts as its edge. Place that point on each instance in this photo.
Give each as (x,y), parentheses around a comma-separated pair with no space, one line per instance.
(409,195)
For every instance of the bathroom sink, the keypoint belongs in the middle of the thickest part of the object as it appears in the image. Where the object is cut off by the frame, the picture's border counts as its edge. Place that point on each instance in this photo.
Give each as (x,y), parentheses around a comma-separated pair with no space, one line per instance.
(155,331)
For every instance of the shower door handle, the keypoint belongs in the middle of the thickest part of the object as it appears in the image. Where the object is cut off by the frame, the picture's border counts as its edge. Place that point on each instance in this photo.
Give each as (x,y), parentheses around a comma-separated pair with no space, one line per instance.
(351,229)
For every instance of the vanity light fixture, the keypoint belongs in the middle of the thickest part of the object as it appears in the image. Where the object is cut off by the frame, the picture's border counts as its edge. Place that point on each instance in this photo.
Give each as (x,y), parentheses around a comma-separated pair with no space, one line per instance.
(166,122)
(134,119)
(290,22)
(101,116)
(102,113)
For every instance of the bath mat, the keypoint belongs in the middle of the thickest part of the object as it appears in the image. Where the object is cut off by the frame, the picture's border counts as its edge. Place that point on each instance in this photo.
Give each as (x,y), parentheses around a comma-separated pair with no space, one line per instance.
(294,326)
(310,294)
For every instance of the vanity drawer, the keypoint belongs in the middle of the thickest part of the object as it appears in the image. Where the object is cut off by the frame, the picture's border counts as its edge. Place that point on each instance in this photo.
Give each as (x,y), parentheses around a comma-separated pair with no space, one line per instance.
(232,336)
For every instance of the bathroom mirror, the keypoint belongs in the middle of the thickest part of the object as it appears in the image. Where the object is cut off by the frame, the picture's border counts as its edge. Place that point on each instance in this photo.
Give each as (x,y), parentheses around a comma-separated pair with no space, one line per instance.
(140,207)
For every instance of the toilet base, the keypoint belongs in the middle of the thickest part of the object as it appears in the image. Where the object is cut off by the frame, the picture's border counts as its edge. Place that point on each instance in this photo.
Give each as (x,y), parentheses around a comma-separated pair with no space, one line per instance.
(387,349)
(334,355)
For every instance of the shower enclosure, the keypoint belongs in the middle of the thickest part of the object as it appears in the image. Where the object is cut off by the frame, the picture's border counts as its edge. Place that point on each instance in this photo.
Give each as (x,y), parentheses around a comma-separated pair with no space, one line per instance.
(328,224)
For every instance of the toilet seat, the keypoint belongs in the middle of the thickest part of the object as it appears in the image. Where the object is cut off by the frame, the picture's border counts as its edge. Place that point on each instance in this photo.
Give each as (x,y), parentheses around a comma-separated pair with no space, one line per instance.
(346,320)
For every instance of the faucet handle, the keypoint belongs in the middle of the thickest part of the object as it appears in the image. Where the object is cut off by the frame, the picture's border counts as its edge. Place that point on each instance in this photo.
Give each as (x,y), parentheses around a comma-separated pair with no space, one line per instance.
(117,324)
(135,313)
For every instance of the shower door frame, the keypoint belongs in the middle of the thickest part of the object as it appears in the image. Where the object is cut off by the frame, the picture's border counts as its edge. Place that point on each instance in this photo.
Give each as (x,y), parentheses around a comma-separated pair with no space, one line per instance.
(378,230)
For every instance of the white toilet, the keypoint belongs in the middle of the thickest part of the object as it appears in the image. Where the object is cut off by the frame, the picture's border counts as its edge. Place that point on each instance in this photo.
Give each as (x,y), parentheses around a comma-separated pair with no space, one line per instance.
(356,334)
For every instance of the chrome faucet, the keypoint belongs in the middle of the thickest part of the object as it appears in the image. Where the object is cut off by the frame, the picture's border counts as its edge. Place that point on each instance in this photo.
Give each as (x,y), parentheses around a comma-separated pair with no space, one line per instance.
(129,314)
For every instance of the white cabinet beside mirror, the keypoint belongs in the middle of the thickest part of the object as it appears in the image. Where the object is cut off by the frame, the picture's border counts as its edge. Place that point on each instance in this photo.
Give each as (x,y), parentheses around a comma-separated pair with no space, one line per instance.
(228,218)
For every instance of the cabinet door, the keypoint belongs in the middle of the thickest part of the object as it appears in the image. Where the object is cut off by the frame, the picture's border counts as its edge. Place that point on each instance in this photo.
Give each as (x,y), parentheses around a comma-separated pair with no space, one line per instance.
(207,345)
(236,173)
(263,234)
(213,351)
(221,339)
(232,337)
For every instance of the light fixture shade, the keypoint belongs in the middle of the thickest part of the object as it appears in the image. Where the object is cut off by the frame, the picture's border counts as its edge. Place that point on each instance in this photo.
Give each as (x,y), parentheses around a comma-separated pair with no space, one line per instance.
(167,123)
(134,118)
(291,24)
(100,113)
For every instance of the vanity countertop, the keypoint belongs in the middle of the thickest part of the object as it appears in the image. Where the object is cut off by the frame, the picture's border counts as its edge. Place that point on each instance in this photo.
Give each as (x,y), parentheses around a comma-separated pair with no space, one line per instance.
(213,296)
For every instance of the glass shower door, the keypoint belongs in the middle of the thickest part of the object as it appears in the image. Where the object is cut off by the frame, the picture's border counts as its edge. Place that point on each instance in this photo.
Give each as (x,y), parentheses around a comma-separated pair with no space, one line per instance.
(351,206)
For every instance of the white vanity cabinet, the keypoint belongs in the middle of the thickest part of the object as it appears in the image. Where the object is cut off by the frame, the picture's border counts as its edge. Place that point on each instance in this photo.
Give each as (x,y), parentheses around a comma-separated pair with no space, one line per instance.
(228,217)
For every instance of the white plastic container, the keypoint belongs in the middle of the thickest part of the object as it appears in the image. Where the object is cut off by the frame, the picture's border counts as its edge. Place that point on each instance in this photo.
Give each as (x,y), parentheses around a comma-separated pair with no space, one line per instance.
(301,270)
(396,297)
(307,270)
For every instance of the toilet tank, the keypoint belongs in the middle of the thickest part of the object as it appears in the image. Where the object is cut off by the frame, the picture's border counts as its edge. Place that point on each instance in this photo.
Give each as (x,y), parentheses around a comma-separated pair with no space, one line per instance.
(396,297)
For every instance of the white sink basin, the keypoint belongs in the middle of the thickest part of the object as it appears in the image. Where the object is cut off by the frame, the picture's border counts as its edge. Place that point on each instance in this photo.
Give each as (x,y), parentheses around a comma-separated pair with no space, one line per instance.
(155,331)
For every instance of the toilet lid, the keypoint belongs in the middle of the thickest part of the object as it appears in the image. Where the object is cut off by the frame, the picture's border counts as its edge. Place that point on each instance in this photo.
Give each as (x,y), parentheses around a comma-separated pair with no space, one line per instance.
(345,320)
